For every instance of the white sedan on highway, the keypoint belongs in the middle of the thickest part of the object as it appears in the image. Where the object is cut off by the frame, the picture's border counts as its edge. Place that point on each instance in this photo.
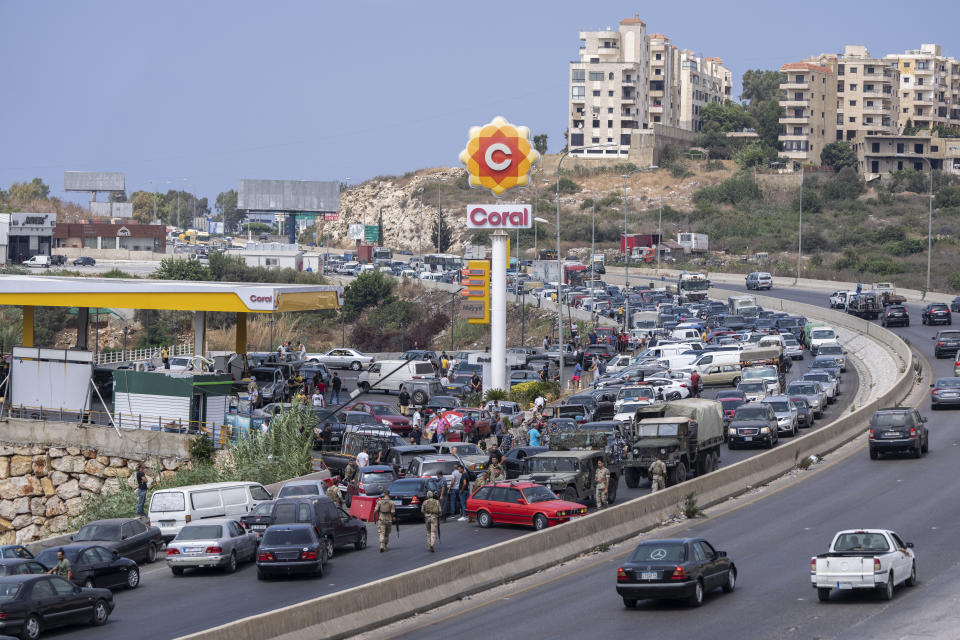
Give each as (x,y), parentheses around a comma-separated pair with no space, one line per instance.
(668,388)
(341,359)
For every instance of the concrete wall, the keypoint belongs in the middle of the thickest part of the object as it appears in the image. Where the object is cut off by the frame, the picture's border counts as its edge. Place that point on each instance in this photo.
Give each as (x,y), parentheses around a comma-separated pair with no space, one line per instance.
(108,254)
(346,613)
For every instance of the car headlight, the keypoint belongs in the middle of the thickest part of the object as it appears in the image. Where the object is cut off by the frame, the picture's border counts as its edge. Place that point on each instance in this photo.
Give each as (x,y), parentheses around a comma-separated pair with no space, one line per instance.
(636,452)
(764,429)
(385,422)
(732,432)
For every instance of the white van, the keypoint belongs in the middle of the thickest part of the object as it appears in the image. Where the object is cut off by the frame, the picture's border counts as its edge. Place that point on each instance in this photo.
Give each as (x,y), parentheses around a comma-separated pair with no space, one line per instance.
(684,334)
(37,261)
(713,358)
(664,350)
(394,373)
(171,509)
(676,361)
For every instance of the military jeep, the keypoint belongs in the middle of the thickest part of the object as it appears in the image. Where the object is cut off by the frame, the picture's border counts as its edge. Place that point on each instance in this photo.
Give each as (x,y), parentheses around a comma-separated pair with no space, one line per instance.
(570,465)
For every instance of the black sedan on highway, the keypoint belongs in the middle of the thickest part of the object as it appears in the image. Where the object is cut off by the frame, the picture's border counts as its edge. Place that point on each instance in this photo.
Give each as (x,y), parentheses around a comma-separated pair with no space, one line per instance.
(31,603)
(127,536)
(84,261)
(94,566)
(408,495)
(677,568)
(288,549)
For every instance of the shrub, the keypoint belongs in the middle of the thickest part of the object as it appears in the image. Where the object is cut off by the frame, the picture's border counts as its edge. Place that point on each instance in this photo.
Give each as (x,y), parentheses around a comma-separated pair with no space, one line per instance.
(811,202)
(201,448)
(953,280)
(947,197)
(495,394)
(845,185)
(735,190)
(569,187)
(881,266)
(690,507)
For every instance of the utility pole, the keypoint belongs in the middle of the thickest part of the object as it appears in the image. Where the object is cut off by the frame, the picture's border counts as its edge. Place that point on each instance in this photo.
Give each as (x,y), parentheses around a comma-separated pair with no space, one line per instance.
(800,228)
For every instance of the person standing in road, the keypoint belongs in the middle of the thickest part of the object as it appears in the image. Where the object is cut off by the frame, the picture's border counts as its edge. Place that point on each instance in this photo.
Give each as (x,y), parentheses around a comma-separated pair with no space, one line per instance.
(476,384)
(546,342)
(404,401)
(335,385)
(165,356)
(431,518)
(538,403)
(333,492)
(384,513)
(350,473)
(141,488)
(533,434)
(318,400)
(363,459)
(444,493)
(444,364)
(326,437)
(455,490)
(464,491)
(601,480)
(658,474)
(695,384)
(62,568)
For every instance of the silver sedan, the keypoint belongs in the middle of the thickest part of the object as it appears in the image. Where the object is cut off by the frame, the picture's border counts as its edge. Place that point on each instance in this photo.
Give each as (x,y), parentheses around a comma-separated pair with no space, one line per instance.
(211,543)
(341,359)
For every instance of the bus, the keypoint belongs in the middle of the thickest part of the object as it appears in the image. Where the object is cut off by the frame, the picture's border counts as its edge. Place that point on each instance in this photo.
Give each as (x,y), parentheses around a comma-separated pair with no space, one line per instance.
(440,262)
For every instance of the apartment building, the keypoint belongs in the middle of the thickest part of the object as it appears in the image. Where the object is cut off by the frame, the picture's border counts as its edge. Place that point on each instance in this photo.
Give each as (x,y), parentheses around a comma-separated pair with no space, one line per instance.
(809,99)
(702,81)
(929,87)
(868,100)
(878,155)
(664,81)
(609,90)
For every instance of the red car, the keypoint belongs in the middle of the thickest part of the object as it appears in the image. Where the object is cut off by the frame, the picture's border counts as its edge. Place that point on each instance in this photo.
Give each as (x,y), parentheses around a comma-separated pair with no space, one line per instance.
(524,503)
(385,412)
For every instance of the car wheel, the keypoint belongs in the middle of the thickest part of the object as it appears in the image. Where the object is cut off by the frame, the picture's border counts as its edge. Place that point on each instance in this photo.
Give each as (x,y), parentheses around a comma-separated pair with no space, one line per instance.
(679,474)
(629,603)
(886,591)
(355,365)
(330,547)
(151,553)
(31,628)
(484,519)
(696,598)
(419,397)
(736,381)
(612,490)
(926,445)
(918,450)
(88,583)
(365,387)
(823,594)
(100,614)
(261,575)
(133,578)
(231,565)
(540,522)
(874,454)
(177,571)
(632,477)
(361,542)
(673,396)
(731,582)
(570,494)
(912,580)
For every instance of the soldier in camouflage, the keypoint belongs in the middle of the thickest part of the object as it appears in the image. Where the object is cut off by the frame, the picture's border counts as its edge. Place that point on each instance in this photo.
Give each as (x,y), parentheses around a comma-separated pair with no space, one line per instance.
(333,492)
(658,474)
(431,518)
(385,513)
(601,480)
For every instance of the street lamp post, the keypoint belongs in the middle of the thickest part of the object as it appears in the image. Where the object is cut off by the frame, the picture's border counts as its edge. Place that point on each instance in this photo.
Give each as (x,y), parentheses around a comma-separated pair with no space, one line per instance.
(800,228)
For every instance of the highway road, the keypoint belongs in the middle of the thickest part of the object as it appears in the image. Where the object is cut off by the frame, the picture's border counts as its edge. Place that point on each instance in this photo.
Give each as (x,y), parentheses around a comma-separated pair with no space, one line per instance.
(771,540)
(169,606)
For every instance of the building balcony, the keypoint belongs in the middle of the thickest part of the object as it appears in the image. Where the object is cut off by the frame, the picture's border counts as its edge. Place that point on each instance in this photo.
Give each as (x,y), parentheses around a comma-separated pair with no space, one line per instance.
(656,108)
(794,119)
(784,137)
(578,99)
(875,109)
(794,86)
(794,103)
(923,102)
(796,155)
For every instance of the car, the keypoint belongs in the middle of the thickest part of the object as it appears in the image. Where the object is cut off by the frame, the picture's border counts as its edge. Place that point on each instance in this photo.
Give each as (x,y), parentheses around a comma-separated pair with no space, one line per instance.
(373,479)
(9,551)
(129,537)
(311,370)
(956,365)
(399,457)
(945,392)
(936,313)
(753,390)
(409,493)
(473,459)
(788,422)
(94,565)
(675,568)
(804,412)
(214,543)
(729,407)
(259,518)
(828,363)
(30,604)
(521,376)
(834,351)
(427,466)
(341,359)
(439,404)
(513,460)
(723,394)
(753,423)
(948,342)
(306,488)
(504,408)
(955,305)
(84,261)
(759,280)
(288,549)
(865,559)
(419,354)
(522,503)
(388,414)
(813,392)
(829,382)
(20,566)
(895,315)
(334,526)
(668,388)
(898,429)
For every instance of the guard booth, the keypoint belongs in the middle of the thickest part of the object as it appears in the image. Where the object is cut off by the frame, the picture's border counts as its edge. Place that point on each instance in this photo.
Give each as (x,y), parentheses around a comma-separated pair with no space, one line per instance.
(173,401)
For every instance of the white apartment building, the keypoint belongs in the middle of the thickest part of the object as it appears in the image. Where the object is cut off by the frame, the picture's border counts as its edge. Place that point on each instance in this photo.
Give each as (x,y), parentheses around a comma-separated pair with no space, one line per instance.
(664,81)
(929,87)
(809,100)
(702,81)
(609,87)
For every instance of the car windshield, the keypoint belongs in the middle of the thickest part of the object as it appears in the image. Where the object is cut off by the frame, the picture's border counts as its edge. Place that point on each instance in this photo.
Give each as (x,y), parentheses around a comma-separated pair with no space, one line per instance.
(823,334)
(890,420)
(872,542)
(263,375)
(748,412)
(805,389)
(199,532)
(171,501)
(948,383)
(629,407)
(818,376)
(378,477)
(632,393)
(938,307)
(98,532)
(48,557)
(660,552)
(538,494)
(571,410)
(263,509)
(431,468)
(284,537)
(361,418)
(780,407)
(831,350)
(298,490)
(819,363)
(653,430)
(549,464)
(729,404)
(751,386)
(949,335)
(759,373)
(468,450)
(383,410)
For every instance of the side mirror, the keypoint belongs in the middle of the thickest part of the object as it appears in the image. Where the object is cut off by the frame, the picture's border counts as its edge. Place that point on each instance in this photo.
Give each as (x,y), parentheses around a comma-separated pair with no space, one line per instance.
(521,501)
(116,554)
(71,537)
(909,545)
(923,419)
(721,554)
(933,337)
(931,385)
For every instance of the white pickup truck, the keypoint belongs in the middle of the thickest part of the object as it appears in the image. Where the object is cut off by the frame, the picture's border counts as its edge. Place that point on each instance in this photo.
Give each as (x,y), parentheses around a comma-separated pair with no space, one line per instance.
(875,559)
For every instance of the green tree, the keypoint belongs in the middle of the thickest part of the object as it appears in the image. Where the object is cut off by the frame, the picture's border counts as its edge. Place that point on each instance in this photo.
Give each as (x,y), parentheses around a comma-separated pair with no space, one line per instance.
(540,143)
(728,116)
(767,117)
(180,269)
(838,155)
(144,203)
(28,191)
(760,85)
(369,289)
(568,186)
(440,233)
(758,153)
(226,206)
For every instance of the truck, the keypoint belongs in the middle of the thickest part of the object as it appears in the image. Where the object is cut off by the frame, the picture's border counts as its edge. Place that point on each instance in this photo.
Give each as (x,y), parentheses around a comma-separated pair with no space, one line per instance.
(692,287)
(739,305)
(865,559)
(886,293)
(693,242)
(631,241)
(767,364)
(864,305)
(570,465)
(644,325)
(546,271)
(688,433)
(598,264)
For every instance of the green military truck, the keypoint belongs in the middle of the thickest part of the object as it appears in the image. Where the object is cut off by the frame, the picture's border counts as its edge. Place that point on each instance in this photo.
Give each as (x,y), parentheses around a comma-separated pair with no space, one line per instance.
(687,432)
(569,466)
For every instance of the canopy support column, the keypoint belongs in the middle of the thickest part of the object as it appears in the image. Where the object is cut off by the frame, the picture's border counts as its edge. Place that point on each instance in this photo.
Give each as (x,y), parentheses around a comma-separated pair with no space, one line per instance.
(27,340)
(199,332)
(83,327)
(241,333)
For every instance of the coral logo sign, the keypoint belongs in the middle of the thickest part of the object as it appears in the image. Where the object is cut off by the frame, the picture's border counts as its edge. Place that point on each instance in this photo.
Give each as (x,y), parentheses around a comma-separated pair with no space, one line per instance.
(255,298)
(507,216)
(499,156)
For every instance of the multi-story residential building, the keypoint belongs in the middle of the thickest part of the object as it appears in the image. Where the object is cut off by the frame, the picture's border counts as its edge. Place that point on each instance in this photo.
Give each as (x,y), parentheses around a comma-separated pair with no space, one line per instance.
(878,155)
(702,81)
(664,81)
(868,102)
(609,89)
(929,87)
(809,99)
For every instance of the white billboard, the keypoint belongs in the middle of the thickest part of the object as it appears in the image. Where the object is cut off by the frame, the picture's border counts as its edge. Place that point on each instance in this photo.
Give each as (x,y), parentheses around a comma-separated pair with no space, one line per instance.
(355,231)
(51,378)
(111,209)
(93,181)
(499,216)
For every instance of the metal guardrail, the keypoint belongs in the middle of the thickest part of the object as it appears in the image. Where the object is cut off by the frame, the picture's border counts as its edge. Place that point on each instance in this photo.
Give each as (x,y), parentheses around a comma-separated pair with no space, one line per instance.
(142,355)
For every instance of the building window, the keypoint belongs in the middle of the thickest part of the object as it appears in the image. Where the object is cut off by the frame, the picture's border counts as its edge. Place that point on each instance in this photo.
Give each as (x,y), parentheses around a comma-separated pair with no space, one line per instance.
(90,243)
(609,109)
(853,69)
(578,75)
(868,120)
(798,95)
(934,148)
(609,94)
(900,165)
(596,124)
(918,148)
(853,103)
(656,118)
(875,167)
(659,56)
(840,70)
(853,87)
(658,71)
(798,131)
(610,77)
(919,81)
(918,166)
(596,93)
(594,140)
(840,87)
(609,124)
(875,147)
(577,92)
(869,70)
(596,76)
(576,139)
(594,60)
(625,139)
(853,118)
(899,147)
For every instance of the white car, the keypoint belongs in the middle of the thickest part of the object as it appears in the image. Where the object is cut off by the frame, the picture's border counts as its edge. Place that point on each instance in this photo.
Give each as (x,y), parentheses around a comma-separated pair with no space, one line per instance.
(617,364)
(792,348)
(637,395)
(753,390)
(829,383)
(838,300)
(821,335)
(668,388)
(180,363)
(874,559)
(341,359)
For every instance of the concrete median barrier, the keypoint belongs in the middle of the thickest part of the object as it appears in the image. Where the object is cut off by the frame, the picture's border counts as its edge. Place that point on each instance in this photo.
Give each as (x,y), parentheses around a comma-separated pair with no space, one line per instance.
(351,611)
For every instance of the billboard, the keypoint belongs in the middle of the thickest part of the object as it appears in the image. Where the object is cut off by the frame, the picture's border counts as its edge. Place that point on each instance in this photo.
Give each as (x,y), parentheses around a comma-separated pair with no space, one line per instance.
(499,216)
(112,209)
(288,195)
(93,181)
(499,156)
(355,231)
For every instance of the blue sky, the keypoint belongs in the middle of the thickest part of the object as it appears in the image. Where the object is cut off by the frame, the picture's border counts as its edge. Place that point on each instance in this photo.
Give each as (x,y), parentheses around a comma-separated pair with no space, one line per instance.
(200,94)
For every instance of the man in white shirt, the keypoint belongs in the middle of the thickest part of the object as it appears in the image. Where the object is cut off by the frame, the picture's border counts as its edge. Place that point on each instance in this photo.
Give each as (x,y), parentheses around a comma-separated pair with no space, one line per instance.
(538,404)
(363,460)
(318,400)
(417,420)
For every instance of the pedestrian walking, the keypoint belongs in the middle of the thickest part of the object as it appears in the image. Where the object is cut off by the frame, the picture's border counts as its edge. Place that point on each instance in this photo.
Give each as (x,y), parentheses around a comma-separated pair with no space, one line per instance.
(326,437)
(538,404)
(384,512)
(658,474)
(444,493)
(463,489)
(431,518)
(318,400)
(404,401)
(601,479)
(363,459)
(533,435)
(335,384)
(165,356)
(444,364)
(575,378)
(695,384)
(455,490)
(141,488)
(350,473)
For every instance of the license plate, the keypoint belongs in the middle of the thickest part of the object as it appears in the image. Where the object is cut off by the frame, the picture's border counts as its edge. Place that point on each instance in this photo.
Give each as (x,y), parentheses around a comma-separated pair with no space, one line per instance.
(167,523)
(948,395)
(747,438)
(891,434)
(844,585)
(398,503)
(649,575)
(193,549)
(258,527)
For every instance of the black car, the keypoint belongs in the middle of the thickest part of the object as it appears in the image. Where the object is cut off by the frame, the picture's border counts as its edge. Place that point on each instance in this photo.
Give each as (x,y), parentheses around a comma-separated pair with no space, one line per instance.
(288,549)
(804,412)
(259,518)
(948,342)
(936,313)
(127,536)
(94,566)
(955,305)
(30,604)
(309,370)
(84,261)
(898,430)
(513,460)
(57,260)
(20,566)
(400,457)
(408,495)
(753,424)
(322,513)
(686,568)
(895,315)
(439,404)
